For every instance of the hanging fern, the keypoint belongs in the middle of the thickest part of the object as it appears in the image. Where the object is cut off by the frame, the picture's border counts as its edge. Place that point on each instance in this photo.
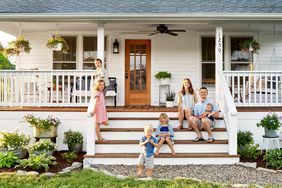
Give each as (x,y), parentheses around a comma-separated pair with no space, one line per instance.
(20,45)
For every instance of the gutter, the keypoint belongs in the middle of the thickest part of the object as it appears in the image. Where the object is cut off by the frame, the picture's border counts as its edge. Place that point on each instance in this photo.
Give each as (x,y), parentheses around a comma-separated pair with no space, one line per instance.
(139,17)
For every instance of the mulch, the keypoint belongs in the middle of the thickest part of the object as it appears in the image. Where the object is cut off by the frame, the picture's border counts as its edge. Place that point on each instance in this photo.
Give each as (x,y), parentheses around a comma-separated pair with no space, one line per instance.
(61,164)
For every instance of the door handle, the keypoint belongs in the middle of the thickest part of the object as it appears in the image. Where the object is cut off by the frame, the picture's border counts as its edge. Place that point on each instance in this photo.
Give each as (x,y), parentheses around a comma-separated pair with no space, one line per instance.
(126,75)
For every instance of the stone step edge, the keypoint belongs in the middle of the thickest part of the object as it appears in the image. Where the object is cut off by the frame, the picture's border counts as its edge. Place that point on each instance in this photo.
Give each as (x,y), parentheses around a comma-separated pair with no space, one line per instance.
(142,130)
(163,155)
(175,142)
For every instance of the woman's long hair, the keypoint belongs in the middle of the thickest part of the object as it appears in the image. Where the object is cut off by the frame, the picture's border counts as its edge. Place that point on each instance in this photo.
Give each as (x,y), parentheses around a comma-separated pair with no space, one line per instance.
(190,88)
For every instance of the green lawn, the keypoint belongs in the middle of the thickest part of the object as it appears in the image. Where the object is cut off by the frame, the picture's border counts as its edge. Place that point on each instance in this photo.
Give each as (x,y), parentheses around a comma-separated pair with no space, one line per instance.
(89,178)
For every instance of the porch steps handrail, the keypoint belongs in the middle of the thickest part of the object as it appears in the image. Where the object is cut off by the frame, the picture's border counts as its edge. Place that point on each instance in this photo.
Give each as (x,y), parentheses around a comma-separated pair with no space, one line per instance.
(229,111)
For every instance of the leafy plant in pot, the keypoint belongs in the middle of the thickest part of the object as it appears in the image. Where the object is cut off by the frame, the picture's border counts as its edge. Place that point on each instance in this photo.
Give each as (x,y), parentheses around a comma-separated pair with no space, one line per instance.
(170,97)
(14,142)
(74,140)
(43,128)
(58,43)
(270,123)
(42,147)
(20,45)
(163,76)
(250,45)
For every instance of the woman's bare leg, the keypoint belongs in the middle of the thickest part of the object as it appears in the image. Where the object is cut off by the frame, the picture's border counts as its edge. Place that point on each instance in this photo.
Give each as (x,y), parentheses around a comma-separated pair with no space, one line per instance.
(188,113)
(180,118)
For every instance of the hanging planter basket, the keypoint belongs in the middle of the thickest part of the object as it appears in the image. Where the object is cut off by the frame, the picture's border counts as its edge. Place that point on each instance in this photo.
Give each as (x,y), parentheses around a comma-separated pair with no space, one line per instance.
(20,45)
(58,43)
(250,45)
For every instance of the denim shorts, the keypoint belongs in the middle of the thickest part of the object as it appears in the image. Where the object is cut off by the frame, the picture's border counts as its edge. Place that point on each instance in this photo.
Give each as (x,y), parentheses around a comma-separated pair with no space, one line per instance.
(148,162)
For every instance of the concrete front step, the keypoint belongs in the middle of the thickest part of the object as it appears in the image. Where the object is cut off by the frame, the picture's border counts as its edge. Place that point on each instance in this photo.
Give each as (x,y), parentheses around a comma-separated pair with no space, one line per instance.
(137,133)
(135,122)
(162,159)
(180,146)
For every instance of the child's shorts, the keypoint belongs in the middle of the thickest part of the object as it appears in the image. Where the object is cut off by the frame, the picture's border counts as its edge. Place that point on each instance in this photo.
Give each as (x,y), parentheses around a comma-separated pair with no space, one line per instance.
(148,162)
(199,123)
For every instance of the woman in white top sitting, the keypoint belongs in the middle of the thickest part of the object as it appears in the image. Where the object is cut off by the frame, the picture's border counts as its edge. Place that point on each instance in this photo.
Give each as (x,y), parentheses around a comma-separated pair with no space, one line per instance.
(101,73)
(187,98)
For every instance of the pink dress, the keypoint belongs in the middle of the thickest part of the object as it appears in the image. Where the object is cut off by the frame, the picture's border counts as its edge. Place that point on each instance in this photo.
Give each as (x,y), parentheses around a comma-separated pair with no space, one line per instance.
(100,111)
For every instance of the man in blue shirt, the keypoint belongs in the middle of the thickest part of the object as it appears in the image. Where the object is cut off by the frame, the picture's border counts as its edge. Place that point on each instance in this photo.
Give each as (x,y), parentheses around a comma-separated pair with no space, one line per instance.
(146,157)
(200,121)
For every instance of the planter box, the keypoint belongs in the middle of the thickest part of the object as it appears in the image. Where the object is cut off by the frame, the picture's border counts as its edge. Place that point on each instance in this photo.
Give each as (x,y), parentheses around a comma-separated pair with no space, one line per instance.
(76,148)
(52,132)
(169,104)
(20,153)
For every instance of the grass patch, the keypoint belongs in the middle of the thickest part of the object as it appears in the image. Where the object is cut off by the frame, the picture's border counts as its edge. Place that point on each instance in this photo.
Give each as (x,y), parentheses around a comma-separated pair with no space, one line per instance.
(89,178)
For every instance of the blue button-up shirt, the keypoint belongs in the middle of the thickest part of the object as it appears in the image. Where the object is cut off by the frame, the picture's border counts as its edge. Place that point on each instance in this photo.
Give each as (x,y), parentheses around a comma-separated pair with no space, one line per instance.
(200,107)
(148,149)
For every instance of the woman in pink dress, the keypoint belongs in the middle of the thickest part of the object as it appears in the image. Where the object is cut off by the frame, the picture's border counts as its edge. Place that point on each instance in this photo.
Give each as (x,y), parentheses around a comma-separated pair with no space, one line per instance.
(99,112)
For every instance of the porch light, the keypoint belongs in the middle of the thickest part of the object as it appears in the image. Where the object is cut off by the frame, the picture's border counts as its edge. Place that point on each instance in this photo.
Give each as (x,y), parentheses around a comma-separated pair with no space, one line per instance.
(116,47)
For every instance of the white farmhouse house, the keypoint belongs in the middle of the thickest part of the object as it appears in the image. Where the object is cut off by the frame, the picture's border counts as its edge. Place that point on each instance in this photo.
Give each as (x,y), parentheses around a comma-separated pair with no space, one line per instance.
(201,40)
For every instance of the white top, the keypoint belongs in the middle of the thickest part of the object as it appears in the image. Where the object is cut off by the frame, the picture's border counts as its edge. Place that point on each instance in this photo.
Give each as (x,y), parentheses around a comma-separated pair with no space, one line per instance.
(188,101)
(101,74)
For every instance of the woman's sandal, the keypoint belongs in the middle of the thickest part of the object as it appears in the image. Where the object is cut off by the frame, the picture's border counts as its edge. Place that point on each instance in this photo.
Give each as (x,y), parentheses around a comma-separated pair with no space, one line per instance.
(100,141)
(190,128)
(180,127)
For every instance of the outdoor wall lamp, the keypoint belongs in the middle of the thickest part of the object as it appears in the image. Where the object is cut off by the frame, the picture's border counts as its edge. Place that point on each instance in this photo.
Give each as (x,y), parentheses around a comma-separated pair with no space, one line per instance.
(116,47)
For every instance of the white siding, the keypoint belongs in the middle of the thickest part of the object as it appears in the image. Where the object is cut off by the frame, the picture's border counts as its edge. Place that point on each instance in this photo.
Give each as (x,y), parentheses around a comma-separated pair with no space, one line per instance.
(39,56)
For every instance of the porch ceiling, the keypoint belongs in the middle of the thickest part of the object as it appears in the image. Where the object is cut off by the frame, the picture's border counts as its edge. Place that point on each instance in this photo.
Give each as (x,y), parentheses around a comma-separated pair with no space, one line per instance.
(135,28)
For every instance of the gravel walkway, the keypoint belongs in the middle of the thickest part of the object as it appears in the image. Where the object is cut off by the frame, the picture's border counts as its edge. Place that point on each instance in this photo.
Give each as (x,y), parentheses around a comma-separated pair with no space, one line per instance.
(229,174)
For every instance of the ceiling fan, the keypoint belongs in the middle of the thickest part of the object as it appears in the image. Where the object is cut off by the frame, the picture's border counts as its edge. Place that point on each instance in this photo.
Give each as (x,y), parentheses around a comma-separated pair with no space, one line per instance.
(164,29)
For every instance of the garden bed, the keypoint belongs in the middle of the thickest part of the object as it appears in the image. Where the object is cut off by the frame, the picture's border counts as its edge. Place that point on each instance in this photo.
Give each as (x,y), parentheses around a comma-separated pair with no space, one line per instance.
(61,164)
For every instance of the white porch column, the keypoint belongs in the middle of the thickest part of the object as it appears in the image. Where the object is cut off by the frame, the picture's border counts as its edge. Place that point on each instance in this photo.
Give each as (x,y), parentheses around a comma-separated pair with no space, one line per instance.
(100,42)
(91,135)
(218,57)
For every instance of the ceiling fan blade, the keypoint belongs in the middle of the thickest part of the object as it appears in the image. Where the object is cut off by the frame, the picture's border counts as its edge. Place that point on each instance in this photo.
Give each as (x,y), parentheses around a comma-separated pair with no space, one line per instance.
(153,33)
(175,30)
(170,33)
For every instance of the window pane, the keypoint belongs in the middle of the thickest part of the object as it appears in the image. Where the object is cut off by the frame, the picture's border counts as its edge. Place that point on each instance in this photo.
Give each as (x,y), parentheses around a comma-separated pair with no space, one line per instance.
(71,54)
(90,52)
(236,53)
(208,49)
(69,66)
(208,73)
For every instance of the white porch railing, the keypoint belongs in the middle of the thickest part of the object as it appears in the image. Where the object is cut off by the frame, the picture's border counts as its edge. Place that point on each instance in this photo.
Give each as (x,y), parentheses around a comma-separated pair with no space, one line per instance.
(229,111)
(45,88)
(256,88)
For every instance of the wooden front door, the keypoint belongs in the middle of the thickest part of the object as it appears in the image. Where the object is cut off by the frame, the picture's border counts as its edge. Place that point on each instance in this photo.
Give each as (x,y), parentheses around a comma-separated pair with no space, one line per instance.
(137,72)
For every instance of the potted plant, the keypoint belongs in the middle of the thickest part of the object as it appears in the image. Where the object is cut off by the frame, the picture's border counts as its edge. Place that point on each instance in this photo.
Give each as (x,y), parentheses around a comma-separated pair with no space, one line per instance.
(74,140)
(43,128)
(20,45)
(12,141)
(270,123)
(170,96)
(42,147)
(250,45)
(58,43)
(164,77)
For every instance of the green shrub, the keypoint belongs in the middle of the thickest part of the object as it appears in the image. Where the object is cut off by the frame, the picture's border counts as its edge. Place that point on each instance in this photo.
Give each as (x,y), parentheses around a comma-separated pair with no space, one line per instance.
(42,146)
(162,75)
(244,137)
(37,162)
(72,137)
(273,158)
(249,151)
(8,159)
(271,121)
(13,140)
(69,156)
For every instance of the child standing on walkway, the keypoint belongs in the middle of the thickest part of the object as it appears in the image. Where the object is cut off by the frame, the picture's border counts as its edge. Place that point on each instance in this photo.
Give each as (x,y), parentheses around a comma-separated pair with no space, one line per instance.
(99,112)
(146,158)
(164,133)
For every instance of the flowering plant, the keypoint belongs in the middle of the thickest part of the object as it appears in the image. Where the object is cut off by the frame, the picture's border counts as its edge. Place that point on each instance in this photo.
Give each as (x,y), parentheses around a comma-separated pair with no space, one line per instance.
(13,140)
(270,121)
(42,145)
(42,124)
(18,46)
(72,137)
(55,40)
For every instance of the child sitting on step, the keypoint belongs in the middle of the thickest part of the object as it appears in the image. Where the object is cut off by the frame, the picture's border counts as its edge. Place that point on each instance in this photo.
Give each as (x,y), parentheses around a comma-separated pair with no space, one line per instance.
(165,133)
(146,157)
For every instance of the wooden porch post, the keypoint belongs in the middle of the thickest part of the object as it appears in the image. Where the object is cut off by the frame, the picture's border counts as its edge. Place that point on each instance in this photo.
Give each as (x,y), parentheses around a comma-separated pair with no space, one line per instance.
(218,56)
(100,42)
